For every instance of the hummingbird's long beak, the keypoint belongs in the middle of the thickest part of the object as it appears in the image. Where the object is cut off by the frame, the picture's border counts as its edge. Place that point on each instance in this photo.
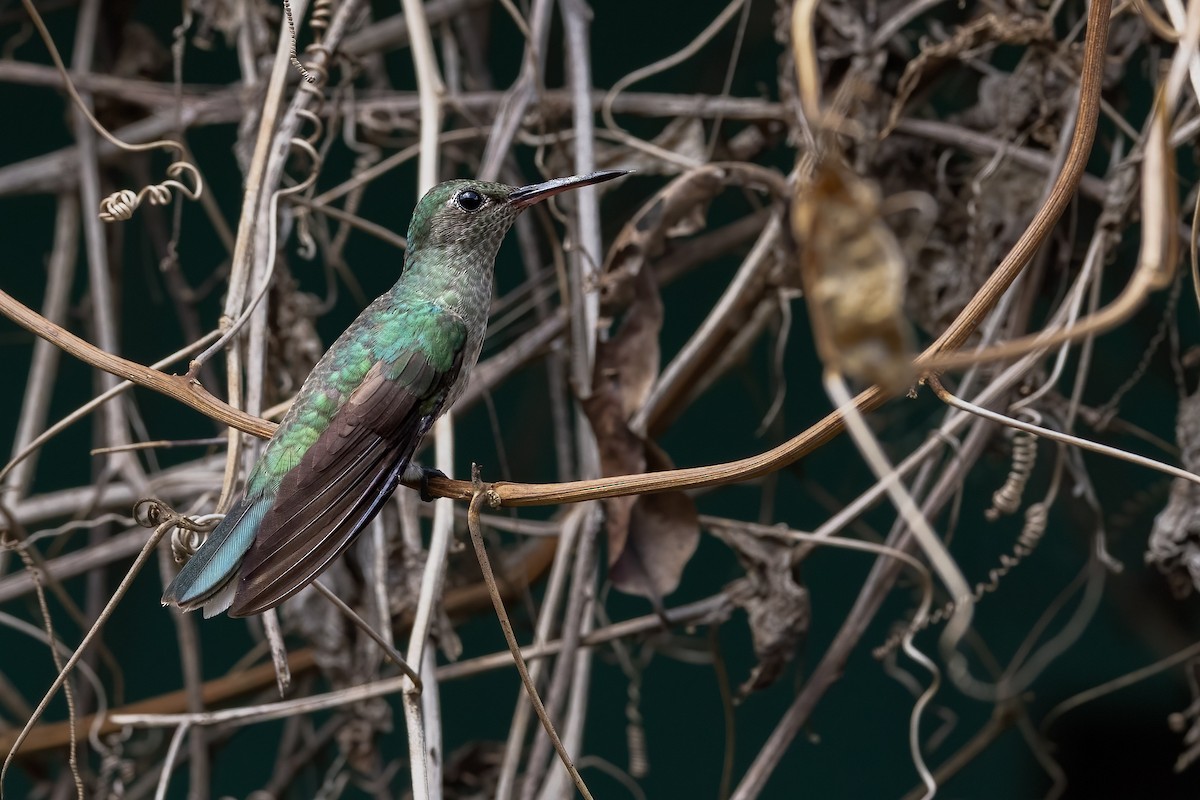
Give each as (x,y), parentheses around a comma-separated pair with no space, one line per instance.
(535,193)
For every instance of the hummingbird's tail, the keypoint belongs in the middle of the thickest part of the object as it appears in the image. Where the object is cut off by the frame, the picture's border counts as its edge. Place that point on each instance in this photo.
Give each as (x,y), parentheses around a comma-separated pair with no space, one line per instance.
(207,578)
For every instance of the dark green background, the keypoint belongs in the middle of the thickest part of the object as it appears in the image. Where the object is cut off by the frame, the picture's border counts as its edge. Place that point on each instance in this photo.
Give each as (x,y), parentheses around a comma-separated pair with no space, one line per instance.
(856,744)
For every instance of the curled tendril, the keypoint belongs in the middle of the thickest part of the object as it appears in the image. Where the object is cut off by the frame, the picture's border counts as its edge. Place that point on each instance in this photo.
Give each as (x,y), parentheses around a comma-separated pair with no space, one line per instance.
(318,22)
(287,9)
(307,244)
(188,533)
(309,143)
(151,513)
(1036,517)
(315,89)
(185,542)
(119,206)
(1007,499)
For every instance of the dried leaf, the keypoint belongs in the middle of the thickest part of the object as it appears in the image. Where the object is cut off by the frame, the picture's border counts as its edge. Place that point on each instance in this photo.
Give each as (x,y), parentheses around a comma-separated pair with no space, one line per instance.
(627,278)
(662,537)
(777,606)
(1174,545)
(621,453)
(650,538)
(294,346)
(226,17)
(854,274)
(628,363)
(969,41)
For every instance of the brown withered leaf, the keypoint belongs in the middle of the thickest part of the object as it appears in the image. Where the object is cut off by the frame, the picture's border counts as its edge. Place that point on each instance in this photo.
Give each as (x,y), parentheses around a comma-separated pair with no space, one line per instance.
(627,364)
(662,537)
(226,17)
(652,537)
(473,770)
(969,41)
(777,606)
(1174,545)
(621,453)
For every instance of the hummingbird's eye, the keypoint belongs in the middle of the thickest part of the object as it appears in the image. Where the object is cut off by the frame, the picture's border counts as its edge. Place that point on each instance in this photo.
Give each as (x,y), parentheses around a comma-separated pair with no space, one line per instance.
(469,200)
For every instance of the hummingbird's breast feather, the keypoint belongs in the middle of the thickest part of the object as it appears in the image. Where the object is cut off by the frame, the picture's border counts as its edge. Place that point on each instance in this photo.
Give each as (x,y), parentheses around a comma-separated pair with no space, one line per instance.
(462,289)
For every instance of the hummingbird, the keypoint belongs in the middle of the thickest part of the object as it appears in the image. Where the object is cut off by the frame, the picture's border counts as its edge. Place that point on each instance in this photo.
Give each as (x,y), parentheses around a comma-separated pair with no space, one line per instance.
(349,436)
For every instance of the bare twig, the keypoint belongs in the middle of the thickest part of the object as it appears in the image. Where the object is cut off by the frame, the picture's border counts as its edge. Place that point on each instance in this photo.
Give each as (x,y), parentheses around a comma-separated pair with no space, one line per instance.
(153,514)
(480,497)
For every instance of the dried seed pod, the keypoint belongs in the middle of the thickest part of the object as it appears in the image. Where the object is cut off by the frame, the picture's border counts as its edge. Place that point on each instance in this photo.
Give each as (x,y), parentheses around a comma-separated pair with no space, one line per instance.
(854,272)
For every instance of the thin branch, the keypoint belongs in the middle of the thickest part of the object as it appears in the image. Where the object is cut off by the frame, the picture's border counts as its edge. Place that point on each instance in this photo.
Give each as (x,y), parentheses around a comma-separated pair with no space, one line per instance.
(170,522)
(481,496)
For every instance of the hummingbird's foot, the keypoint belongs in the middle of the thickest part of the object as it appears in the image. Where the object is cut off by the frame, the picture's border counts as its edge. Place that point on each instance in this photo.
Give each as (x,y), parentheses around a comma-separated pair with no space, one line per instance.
(426,474)
(415,473)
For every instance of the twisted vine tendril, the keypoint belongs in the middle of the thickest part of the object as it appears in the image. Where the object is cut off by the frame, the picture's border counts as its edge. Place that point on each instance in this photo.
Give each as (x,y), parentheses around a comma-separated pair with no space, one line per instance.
(1007,499)
(635,728)
(318,21)
(307,145)
(188,534)
(311,114)
(1036,517)
(287,9)
(119,206)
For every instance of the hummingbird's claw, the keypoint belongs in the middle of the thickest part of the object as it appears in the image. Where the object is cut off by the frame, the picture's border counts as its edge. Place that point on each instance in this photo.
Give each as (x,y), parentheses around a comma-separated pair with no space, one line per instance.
(426,474)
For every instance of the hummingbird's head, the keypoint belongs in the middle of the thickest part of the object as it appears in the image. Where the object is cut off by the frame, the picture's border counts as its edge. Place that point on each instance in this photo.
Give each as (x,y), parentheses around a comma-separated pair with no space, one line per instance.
(462,217)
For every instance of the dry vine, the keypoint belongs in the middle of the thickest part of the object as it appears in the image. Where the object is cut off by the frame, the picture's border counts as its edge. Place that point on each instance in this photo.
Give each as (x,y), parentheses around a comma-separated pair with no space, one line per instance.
(900,210)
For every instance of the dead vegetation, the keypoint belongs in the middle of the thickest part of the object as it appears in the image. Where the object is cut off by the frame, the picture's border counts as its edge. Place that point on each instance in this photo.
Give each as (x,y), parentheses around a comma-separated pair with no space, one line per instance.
(961,202)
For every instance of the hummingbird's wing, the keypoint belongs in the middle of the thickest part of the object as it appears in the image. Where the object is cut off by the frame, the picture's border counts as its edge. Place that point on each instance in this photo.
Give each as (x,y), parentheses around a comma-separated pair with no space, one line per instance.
(347,474)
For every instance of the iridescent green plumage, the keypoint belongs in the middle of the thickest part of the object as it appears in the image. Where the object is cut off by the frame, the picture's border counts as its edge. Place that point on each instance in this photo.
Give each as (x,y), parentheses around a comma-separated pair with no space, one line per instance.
(351,431)
(390,332)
